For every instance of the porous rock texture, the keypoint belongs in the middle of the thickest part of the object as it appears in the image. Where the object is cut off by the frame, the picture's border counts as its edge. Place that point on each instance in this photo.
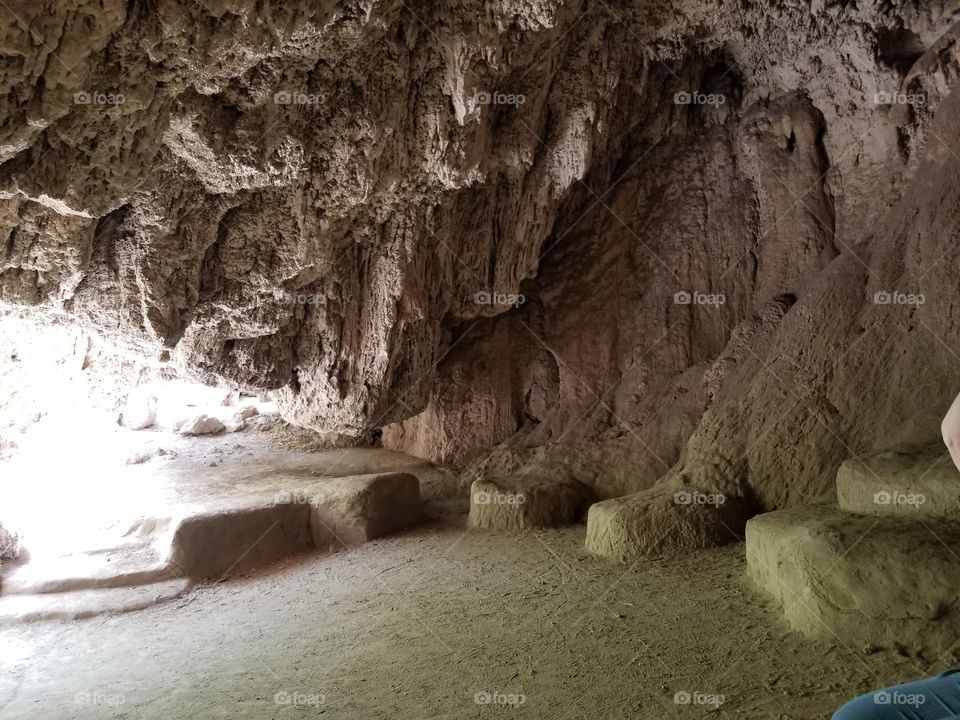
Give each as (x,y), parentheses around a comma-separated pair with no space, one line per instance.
(515,235)
(669,517)
(520,502)
(913,481)
(859,580)
(205,545)
(9,545)
(332,513)
(201,425)
(349,511)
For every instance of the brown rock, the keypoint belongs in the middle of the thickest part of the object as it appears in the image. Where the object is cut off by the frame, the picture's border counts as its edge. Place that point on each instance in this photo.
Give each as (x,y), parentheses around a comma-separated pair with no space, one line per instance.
(857,579)
(9,545)
(617,248)
(330,513)
(234,541)
(518,502)
(202,425)
(349,511)
(665,519)
(913,481)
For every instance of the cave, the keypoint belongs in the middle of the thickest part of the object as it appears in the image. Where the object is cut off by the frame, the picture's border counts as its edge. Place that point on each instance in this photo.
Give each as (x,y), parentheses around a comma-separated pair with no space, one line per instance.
(554,359)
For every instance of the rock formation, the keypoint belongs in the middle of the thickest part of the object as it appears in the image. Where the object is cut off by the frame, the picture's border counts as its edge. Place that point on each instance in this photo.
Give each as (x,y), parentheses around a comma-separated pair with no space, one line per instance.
(877,572)
(518,503)
(615,242)
(9,545)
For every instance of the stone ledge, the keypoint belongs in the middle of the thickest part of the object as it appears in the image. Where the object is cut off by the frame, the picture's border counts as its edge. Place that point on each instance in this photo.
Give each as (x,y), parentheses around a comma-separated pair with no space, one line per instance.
(518,502)
(79,604)
(330,513)
(917,481)
(858,579)
(664,519)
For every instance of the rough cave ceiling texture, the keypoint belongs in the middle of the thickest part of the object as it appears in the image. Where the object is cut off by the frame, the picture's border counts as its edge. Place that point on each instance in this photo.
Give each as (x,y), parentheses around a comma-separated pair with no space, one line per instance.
(468,223)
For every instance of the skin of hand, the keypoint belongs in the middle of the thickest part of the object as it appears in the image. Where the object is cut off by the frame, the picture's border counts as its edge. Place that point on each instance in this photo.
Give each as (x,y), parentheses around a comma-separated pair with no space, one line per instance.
(950,427)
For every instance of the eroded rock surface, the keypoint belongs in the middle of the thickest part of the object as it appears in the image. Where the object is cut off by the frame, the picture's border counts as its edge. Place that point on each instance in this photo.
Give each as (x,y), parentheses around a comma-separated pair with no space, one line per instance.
(206,545)
(664,519)
(329,513)
(526,234)
(859,580)
(518,502)
(913,482)
(349,511)
(9,545)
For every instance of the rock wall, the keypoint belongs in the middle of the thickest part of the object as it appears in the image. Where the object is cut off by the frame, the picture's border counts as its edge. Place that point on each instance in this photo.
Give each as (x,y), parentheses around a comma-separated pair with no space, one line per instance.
(612,241)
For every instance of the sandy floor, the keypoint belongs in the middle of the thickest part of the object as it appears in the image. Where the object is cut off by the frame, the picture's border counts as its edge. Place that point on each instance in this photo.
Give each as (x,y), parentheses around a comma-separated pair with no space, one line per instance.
(429,624)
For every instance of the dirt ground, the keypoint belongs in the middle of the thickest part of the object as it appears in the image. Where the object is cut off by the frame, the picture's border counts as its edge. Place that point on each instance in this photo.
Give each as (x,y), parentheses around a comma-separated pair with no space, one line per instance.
(447,623)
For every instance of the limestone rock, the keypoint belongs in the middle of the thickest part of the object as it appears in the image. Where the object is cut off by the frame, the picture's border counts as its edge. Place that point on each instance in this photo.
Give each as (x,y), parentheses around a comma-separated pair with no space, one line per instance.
(201,425)
(349,511)
(237,421)
(234,541)
(665,519)
(518,502)
(529,228)
(859,580)
(919,482)
(247,412)
(330,513)
(139,413)
(9,545)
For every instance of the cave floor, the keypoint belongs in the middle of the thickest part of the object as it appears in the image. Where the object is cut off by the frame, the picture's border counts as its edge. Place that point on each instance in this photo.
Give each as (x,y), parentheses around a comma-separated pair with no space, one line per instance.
(428,623)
